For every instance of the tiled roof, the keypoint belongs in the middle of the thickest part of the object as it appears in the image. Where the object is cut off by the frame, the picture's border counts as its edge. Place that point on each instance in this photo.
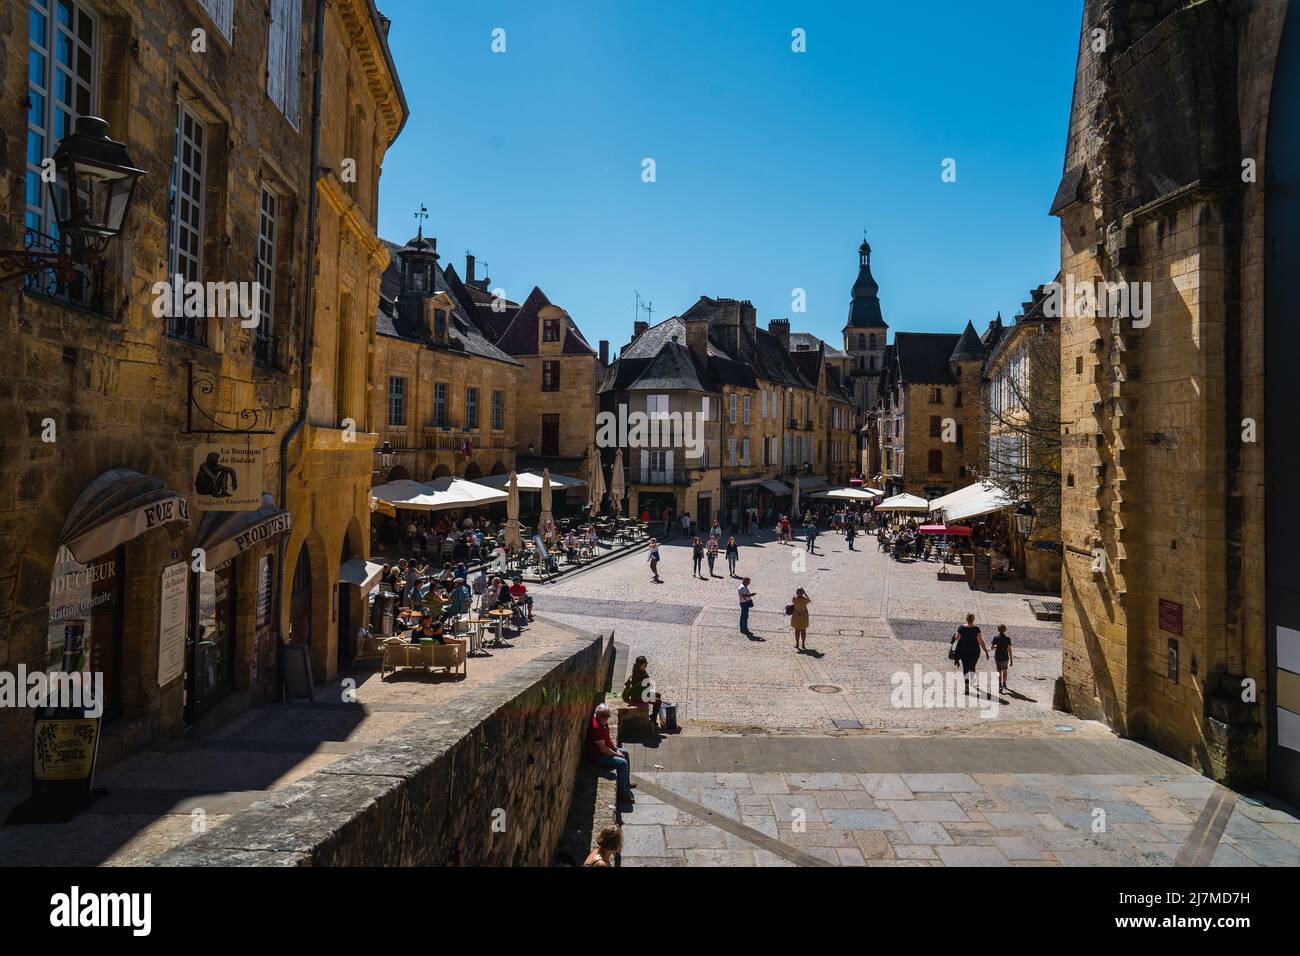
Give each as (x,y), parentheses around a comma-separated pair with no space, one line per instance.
(809,341)
(968,347)
(921,358)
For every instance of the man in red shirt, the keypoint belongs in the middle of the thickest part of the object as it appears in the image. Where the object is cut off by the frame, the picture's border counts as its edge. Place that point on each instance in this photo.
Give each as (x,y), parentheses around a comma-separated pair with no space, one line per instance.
(519,594)
(602,752)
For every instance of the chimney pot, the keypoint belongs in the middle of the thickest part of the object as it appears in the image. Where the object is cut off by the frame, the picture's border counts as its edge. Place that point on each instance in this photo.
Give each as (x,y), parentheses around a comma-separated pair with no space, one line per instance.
(469,269)
(639,326)
(604,351)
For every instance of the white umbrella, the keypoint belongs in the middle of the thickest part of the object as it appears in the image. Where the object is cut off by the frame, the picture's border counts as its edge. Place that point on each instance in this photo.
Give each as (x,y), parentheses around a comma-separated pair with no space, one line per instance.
(616,486)
(904,502)
(441,494)
(545,518)
(530,481)
(512,514)
(794,499)
(405,493)
(850,494)
(595,482)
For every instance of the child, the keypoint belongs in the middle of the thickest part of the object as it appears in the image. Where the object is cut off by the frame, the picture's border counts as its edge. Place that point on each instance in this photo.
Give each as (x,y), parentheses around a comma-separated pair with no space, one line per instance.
(654,561)
(1002,656)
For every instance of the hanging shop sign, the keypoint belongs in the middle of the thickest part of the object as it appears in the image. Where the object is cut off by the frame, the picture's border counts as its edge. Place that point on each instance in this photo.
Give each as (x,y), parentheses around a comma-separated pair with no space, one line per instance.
(228,476)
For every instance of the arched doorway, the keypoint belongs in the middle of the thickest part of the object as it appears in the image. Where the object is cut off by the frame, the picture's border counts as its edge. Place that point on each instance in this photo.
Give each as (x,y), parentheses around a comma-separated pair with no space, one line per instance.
(442,471)
(472,471)
(300,599)
(498,469)
(399,473)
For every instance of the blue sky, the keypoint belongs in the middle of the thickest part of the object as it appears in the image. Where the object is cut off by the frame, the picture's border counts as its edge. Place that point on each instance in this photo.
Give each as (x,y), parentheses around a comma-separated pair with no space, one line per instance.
(769,164)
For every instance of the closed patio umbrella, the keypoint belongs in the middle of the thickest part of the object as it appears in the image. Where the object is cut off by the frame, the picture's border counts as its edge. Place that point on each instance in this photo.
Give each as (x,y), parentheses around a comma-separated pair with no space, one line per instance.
(546,516)
(595,482)
(616,484)
(794,499)
(512,514)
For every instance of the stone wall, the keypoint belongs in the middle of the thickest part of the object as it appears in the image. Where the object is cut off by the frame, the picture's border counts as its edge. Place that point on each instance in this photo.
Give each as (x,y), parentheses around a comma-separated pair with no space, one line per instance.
(486,780)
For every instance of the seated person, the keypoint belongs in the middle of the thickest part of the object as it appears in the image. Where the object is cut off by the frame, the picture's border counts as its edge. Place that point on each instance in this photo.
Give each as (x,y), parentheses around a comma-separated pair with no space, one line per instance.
(460,600)
(571,545)
(639,692)
(431,628)
(447,574)
(608,845)
(522,600)
(602,752)
(460,571)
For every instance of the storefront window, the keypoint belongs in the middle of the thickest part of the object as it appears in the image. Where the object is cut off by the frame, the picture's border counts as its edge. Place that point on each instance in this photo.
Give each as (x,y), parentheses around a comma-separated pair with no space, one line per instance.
(211,637)
(84,630)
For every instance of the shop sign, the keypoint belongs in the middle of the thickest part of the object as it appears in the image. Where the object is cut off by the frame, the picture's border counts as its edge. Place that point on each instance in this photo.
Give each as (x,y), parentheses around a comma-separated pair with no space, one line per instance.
(172,621)
(228,476)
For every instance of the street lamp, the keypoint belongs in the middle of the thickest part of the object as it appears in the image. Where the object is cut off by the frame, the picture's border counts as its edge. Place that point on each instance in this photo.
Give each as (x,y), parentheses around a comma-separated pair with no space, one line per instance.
(1025,520)
(385,453)
(91,193)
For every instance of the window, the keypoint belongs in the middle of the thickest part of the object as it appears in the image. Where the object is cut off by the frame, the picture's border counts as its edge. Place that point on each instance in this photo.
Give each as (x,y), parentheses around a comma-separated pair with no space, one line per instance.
(498,411)
(266,234)
(704,408)
(764,406)
(550,376)
(871,343)
(957,397)
(222,14)
(936,396)
(748,402)
(283,48)
(440,404)
(186,231)
(862,342)
(396,400)
(731,451)
(936,462)
(551,330)
(731,409)
(550,434)
(63,38)
(936,426)
(471,408)
(656,405)
(744,452)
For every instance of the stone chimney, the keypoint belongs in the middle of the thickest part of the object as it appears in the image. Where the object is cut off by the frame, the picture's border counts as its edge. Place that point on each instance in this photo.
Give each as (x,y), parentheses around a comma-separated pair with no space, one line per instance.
(639,326)
(697,337)
(604,351)
(781,329)
(469,268)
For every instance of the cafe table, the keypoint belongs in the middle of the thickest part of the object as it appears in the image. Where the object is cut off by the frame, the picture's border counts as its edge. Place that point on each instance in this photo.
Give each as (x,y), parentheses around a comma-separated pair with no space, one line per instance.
(477,624)
(500,615)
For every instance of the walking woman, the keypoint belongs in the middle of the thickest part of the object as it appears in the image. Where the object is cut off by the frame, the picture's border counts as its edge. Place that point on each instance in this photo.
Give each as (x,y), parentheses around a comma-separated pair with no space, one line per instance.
(799,618)
(733,555)
(654,561)
(965,647)
(697,559)
(1002,656)
(711,552)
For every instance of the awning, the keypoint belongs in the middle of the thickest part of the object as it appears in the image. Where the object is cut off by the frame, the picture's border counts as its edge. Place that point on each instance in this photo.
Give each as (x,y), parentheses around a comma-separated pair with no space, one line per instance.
(441,494)
(225,534)
(850,494)
(981,498)
(778,488)
(958,530)
(119,505)
(809,483)
(904,502)
(364,574)
(743,482)
(531,481)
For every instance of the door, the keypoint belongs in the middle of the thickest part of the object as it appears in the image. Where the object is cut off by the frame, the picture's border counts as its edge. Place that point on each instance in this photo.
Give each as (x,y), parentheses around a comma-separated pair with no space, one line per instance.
(300,599)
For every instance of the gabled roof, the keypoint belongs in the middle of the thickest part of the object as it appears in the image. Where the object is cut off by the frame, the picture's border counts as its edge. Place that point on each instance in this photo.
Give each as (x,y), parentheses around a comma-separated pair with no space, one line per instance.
(921,358)
(675,367)
(478,306)
(805,341)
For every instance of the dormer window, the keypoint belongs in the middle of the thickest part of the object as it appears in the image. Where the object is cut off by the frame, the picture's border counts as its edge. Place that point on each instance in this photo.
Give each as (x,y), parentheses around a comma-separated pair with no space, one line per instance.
(440,324)
(551,330)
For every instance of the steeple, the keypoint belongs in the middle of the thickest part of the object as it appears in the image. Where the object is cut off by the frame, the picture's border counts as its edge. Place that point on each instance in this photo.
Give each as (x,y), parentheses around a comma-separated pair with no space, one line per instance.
(864,310)
(969,347)
(419,259)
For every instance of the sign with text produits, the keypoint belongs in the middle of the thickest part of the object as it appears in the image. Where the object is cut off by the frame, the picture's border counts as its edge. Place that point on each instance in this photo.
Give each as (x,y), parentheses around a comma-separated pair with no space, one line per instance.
(172,618)
(228,476)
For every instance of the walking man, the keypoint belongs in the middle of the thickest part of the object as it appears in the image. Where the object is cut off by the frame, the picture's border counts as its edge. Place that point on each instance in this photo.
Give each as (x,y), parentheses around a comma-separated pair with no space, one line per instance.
(746,602)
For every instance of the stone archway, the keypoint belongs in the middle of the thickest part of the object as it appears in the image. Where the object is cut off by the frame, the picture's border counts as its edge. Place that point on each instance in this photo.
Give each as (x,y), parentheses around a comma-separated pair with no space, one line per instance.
(472,471)
(442,471)
(399,473)
(498,469)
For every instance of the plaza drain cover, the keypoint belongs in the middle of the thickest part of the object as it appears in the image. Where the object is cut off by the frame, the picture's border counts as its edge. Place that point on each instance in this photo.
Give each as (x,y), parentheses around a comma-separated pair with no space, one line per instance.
(824,688)
(847,724)
(850,633)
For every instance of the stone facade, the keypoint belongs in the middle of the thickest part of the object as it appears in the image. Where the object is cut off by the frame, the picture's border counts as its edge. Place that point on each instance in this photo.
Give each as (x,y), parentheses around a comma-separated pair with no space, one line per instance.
(111,375)
(1163,500)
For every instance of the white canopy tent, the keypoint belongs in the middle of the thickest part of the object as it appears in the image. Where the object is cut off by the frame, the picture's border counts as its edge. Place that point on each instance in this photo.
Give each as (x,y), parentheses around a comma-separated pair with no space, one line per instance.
(904,502)
(530,481)
(441,494)
(850,494)
(981,498)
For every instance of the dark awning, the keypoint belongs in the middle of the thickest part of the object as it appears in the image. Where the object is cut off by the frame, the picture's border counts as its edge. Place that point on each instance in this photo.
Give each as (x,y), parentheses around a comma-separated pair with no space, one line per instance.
(119,505)
(224,534)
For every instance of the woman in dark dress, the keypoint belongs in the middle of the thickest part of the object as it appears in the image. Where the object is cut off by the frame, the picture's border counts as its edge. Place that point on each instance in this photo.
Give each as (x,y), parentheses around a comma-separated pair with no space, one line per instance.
(966,645)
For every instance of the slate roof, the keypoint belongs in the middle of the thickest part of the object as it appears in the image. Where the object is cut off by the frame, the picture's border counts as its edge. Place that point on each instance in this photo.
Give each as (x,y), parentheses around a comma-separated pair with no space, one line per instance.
(969,347)
(811,342)
(864,309)
(631,365)
(1031,312)
(921,358)
(463,334)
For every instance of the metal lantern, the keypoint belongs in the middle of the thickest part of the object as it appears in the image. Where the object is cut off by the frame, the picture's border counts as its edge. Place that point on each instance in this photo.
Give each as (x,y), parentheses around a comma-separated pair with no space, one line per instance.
(385,452)
(93,186)
(1025,520)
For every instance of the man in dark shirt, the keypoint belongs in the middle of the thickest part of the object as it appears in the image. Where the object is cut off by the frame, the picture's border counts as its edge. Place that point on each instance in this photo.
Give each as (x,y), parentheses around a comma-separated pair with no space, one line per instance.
(602,752)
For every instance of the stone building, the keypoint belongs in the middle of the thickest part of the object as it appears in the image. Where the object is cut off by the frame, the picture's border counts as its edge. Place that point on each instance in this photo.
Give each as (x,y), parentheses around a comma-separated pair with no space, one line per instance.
(1182,614)
(1021,437)
(332,456)
(928,418)
(121,552)
(446,396)
(560,373)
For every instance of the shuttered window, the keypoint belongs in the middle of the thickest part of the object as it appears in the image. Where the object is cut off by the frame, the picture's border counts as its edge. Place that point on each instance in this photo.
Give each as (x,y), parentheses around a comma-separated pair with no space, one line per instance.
(283,48)
(222,14)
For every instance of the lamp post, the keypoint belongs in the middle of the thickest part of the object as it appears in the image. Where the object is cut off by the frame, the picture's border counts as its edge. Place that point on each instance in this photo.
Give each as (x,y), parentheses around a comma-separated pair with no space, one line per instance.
(385,453)
(94,182)
(1025,520)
